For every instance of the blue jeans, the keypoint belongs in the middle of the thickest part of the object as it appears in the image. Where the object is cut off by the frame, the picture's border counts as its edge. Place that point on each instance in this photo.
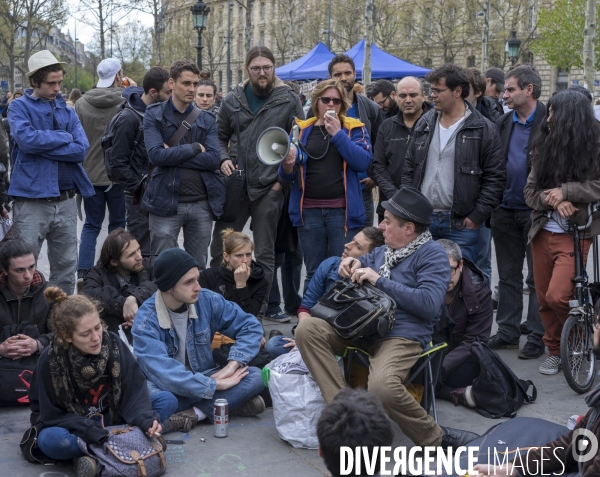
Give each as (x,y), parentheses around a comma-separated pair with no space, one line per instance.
(322,236)
(196,219)
(275,346)
(290,264)
(467,239)
(95,209)
(510,228)
(484,252)
(166,403)
(58,443)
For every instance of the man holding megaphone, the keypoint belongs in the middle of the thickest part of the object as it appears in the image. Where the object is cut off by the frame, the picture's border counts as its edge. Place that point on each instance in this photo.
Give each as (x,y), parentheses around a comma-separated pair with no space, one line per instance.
(326,202)
(261,102)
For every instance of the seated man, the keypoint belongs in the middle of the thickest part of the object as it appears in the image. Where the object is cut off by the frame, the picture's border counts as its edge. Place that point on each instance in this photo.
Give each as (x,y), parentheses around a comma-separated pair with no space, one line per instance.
(559,456)
(354,418)
(414,271)
(469,306)
(172,333)
(21,300)
(121,280)
(327,273)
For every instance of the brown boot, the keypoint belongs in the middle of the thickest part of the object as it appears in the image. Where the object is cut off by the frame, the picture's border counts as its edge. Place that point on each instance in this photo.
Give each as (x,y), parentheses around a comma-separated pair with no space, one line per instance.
(463,396)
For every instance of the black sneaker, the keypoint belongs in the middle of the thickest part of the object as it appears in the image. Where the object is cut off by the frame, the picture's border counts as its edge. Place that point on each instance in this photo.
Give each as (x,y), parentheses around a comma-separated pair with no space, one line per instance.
(85,466)
(531,351)
(524,329)
(496,342)
(279,317)
(456,438)
(253,407)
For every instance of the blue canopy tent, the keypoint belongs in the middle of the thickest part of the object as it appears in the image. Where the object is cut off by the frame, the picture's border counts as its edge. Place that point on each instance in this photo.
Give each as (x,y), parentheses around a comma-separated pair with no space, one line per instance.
(383,65)
(293,71)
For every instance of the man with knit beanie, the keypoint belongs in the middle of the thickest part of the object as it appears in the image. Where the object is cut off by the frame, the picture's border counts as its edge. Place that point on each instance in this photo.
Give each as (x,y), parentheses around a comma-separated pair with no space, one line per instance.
(183,379)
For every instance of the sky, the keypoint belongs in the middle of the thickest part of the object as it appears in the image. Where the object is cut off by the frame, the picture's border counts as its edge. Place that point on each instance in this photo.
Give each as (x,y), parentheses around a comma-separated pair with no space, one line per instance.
(85,32)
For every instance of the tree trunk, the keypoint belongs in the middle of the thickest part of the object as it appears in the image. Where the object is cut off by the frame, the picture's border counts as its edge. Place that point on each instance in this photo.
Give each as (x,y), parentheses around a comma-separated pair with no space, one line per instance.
(366,76)
(589,38)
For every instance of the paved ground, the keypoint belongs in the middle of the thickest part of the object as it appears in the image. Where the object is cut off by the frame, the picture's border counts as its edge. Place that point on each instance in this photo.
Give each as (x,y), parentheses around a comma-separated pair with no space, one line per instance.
(254,448)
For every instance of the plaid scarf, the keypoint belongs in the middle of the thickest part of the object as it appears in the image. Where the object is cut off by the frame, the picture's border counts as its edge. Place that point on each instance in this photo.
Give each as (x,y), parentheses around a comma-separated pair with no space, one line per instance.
(73,374)
(394,257)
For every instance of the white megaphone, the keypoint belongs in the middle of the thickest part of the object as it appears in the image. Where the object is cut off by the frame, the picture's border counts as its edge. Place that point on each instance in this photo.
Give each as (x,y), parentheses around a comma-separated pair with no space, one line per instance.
(273,145)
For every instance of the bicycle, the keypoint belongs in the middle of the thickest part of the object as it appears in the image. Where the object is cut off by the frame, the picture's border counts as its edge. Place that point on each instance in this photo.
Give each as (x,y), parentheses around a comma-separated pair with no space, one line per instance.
(576,340)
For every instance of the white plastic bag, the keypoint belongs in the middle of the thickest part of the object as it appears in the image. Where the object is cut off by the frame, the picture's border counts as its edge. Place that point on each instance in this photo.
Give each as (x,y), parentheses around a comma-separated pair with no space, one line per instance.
(297,406)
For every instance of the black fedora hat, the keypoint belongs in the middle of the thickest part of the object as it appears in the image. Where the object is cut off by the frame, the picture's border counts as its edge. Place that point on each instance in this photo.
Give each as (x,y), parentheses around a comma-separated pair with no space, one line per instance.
(408,203)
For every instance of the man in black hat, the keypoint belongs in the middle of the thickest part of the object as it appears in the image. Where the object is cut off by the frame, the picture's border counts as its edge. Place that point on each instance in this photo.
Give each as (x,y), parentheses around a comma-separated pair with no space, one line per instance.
(494,80)
(413,270)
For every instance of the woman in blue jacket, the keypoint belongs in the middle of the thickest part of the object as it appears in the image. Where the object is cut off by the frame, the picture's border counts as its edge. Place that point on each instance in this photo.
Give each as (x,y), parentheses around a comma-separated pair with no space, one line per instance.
(326,202)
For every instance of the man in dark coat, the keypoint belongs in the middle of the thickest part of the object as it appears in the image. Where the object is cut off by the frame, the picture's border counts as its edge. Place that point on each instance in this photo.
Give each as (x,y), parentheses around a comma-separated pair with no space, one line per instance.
(121,280)
(469,307)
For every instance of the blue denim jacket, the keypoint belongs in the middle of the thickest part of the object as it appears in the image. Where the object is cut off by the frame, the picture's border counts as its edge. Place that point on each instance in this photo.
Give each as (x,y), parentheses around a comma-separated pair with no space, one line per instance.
(38,147)
(155,342)
(321,281)
(162,194)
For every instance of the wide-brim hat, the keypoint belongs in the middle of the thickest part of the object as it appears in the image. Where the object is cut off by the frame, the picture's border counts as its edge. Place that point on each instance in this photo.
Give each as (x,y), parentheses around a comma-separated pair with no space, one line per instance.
(409,204)
(40,60)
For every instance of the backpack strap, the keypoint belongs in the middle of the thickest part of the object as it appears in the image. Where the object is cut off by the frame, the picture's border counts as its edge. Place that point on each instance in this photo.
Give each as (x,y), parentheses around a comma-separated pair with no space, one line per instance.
(239,159)
(185,126)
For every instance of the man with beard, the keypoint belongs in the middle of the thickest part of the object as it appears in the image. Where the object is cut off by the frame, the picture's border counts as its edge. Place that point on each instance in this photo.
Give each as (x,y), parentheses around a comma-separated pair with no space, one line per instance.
(261,102)
(569,453)
(342,68)
(121,280)
(384,95)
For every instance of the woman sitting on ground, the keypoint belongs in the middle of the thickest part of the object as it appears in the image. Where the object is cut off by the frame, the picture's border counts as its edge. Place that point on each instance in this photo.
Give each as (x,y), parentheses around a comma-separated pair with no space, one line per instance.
(239,278)
(85,371)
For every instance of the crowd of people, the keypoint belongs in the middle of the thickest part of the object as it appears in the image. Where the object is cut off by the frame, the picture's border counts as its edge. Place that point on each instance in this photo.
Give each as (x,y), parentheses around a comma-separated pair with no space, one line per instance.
(453,171)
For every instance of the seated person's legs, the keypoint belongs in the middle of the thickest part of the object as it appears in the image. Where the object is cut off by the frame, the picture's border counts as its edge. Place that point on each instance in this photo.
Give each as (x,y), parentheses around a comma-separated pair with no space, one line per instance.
(58,443)
(319,343)
(279,345)
(390,361)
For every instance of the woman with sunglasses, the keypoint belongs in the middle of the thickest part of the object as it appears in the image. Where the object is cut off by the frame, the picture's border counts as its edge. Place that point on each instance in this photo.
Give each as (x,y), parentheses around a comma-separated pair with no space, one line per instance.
(326,202)
(564,179)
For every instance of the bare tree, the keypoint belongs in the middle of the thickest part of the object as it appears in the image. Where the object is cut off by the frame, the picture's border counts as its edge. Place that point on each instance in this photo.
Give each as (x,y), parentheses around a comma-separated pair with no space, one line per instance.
(133,47)
(286,26)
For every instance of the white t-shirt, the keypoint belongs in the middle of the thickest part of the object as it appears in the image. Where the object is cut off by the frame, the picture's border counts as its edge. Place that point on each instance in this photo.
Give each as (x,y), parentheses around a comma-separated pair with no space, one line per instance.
(446,133)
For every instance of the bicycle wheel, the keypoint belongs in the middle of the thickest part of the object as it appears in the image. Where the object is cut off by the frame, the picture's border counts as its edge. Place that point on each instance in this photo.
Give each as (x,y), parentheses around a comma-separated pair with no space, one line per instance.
(578,360)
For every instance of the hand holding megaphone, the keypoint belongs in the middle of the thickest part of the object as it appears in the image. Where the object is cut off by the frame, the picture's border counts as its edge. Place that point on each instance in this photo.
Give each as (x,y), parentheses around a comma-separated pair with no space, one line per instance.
(290,159)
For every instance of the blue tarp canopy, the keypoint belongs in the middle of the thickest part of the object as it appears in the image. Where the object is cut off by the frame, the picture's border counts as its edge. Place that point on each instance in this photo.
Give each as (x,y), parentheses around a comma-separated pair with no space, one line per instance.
(293,71)
(383,65)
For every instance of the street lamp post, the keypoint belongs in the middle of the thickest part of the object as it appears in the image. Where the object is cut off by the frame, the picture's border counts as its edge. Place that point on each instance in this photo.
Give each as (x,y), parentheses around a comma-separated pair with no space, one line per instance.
(199,12)
(229,7)
(512,47)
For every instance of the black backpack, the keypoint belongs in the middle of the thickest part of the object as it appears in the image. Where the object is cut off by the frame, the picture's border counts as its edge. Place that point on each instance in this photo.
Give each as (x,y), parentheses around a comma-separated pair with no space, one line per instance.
(16,374)
(497,391)
(106,141)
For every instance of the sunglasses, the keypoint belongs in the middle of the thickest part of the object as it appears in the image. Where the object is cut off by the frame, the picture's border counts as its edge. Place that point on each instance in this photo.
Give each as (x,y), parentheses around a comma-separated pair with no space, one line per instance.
(327,100)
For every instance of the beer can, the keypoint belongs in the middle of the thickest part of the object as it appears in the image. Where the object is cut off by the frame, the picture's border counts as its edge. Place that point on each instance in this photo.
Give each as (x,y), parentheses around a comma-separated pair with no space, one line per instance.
(221,419)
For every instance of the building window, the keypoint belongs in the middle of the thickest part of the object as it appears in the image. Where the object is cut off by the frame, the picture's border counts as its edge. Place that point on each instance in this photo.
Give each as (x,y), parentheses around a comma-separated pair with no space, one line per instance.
(221,79)
(562,79)
(495,60)
(528,58)
(471,61)
(262,12)
(251,15)
(241,14)
(240,45)
(531,18)
(427,63)
(262,38)
(240,76)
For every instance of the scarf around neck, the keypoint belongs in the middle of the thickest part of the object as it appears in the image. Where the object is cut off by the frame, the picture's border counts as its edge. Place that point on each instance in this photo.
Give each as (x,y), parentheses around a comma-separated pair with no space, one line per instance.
(394,257)
(73,374)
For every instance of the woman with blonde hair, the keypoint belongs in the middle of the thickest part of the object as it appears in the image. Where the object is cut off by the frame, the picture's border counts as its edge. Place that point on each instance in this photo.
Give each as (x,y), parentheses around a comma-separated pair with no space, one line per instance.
(326,203)
(86,370)
(239,278)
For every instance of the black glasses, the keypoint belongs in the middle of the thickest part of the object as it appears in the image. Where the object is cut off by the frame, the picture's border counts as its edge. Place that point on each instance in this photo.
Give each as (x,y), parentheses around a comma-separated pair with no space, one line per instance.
(256,69)
(327,100)
(437,91)
(382,102)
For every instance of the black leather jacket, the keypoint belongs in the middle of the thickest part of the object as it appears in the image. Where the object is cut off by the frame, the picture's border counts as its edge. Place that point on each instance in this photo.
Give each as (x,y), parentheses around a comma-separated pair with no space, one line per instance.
(479,168)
